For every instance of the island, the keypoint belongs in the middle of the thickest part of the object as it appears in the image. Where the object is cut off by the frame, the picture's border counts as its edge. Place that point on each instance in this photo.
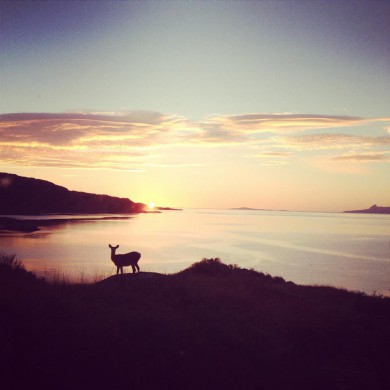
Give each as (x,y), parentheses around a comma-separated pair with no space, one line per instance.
(168,209)
(372,210)
(252,209)
(246,209)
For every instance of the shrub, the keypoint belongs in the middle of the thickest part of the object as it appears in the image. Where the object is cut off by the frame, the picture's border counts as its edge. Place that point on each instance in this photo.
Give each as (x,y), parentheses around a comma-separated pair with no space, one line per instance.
(210,267)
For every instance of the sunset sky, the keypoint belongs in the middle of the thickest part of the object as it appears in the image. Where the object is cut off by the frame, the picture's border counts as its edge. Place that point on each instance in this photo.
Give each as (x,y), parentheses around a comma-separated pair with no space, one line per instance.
(264,104)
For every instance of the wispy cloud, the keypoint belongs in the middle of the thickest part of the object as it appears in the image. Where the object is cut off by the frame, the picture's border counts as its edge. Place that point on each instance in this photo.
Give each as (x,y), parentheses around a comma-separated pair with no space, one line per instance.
(364,157)
(76,129)
(126,140)
(282,123)
(331,141)
(251,127)
(266,157)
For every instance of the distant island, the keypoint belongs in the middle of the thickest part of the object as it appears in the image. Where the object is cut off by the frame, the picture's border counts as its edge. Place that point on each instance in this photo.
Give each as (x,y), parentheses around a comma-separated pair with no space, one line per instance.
(252,209)
(168,209)
(246,209)
(372,210)
(27,196)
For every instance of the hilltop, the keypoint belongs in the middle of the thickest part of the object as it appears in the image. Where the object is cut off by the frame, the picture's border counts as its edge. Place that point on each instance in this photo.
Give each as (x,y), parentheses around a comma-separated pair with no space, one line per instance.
(23,195)
(211,326)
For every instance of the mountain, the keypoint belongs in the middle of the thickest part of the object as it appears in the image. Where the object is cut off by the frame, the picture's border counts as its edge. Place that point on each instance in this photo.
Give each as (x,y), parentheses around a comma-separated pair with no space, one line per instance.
(372,210)
(23,195)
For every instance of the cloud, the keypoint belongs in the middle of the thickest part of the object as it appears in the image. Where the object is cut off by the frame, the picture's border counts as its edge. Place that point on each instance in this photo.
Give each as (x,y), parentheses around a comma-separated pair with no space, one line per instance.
(272,157)
(274,154)
(250,127)
(331,141)
(71,158)
(144,127)
(125,140)
(80,140)
(282,123)
(363,157)
(140,127)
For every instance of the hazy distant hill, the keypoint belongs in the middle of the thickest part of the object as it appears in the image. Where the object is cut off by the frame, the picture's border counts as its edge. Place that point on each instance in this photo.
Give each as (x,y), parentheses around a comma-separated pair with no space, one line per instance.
(246,209)
(372,210)
(22,195)
(252,209)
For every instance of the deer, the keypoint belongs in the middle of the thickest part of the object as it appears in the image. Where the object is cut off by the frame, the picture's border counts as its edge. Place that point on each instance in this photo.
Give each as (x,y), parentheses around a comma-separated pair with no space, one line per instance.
(124,260)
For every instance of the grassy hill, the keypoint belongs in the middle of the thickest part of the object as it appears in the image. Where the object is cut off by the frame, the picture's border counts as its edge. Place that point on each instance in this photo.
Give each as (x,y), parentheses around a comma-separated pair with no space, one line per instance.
(211,326)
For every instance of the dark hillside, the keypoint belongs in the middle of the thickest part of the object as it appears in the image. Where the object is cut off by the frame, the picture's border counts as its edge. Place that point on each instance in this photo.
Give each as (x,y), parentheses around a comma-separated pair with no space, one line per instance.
(22,195)
(211,326)
(374,209)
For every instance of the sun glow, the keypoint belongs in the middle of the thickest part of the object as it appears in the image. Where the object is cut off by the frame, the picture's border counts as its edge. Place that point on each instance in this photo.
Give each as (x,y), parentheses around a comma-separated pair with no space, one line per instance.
(151,206)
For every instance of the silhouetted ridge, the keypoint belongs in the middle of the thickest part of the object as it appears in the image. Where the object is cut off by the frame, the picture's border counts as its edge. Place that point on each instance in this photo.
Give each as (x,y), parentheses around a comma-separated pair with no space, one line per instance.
(215,267)
(374,209)
(214,326)
(209,267)
(22,195)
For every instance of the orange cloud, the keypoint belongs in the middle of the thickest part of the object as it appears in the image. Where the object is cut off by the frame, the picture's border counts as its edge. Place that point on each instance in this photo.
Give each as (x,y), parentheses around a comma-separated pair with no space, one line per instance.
(68,129)
(281,123)
(331,141)
(125,140)
(363,157)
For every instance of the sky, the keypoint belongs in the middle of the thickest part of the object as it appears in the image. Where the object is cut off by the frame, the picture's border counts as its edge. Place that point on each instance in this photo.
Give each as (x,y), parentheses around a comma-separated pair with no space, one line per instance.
(216,104)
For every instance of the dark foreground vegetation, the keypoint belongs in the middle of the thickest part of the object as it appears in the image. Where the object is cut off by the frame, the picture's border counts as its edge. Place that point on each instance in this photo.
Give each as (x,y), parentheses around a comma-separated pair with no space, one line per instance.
(211,326)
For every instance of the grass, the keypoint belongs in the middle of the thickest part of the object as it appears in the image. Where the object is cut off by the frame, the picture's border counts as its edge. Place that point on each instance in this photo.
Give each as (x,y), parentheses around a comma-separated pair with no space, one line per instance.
(211,326)
(54,276)
(10,263)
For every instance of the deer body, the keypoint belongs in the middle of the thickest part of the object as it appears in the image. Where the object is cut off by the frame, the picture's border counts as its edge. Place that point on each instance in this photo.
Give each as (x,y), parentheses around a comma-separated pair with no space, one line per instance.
(124,260)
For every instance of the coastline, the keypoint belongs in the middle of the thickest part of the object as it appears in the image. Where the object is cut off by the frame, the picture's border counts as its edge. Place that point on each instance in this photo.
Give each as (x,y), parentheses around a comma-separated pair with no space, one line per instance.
(326,249)
(34,222)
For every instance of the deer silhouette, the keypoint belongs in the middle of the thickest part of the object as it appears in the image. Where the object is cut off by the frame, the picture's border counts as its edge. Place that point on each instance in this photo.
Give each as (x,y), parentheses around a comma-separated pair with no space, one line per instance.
(124,260)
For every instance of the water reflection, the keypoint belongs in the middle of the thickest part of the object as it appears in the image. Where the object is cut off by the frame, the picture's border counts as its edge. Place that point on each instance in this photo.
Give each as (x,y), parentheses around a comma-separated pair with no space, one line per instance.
(343,250)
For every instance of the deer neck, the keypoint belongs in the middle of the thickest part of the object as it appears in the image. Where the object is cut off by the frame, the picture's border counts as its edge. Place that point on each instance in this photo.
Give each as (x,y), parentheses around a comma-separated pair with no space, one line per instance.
(113,255)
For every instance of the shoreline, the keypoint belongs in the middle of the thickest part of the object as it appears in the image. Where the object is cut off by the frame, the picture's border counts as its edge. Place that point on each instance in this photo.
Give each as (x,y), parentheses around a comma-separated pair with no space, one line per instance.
(52,239)
(26,224)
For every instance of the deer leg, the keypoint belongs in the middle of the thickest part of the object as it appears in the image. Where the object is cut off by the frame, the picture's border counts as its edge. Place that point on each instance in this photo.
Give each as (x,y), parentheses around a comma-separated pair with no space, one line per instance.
(132,266)
(137,267)
(117,270)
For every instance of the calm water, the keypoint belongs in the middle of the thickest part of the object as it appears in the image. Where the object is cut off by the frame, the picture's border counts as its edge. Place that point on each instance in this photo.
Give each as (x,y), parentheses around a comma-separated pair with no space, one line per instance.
(343,250)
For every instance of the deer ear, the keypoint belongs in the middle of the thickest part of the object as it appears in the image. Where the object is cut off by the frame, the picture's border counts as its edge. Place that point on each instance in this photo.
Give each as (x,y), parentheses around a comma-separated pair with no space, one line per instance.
(109,246)
(117,246)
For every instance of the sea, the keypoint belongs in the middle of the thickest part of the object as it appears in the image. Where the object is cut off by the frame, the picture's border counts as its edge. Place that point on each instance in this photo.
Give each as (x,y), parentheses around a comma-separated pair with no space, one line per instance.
(350,251)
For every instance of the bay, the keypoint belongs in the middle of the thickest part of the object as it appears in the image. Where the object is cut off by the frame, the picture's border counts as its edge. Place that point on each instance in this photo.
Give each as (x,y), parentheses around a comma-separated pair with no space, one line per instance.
(350,251)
